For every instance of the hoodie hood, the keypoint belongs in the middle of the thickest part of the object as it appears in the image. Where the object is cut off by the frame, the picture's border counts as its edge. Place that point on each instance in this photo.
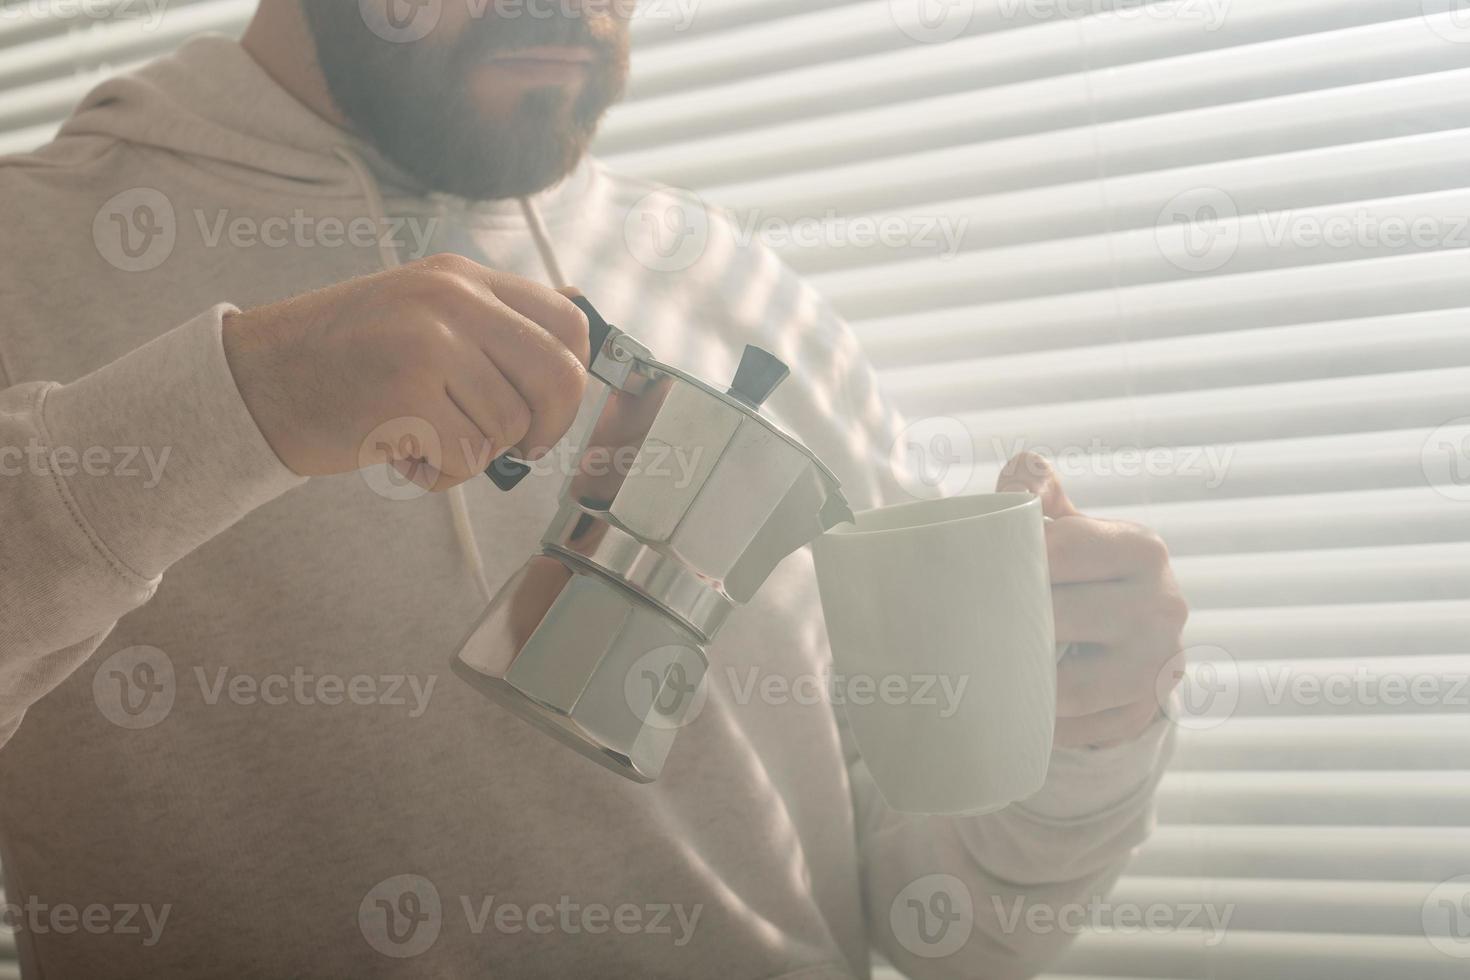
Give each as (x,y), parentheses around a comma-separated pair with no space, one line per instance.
(212,102)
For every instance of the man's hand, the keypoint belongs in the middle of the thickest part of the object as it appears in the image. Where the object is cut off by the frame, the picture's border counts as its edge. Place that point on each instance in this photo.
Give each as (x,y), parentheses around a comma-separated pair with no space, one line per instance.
(1115,595)
(483,361)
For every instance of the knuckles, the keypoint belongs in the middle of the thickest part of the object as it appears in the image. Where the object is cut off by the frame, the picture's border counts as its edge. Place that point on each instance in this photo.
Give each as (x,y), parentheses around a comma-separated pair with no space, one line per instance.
(515,422)
(566,375)
(1151,548)
(1172,612)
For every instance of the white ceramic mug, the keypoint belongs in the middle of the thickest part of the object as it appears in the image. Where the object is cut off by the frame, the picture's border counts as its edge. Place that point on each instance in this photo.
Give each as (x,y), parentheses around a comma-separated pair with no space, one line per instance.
(940,618)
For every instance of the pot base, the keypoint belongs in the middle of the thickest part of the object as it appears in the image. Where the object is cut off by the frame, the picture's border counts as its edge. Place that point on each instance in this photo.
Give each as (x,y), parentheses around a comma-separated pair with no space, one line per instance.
(559,726)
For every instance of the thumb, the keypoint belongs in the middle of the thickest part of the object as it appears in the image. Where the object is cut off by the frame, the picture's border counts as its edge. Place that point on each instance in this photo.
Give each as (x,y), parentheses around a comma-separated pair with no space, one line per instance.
(1028,472)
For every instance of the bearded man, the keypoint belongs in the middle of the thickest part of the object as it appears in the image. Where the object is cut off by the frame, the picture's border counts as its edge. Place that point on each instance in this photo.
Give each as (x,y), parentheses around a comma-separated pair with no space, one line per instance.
(266,268)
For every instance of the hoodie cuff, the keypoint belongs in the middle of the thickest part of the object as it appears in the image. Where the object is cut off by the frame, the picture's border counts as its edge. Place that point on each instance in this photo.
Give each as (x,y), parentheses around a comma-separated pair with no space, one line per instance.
(184,458)
(1084,784)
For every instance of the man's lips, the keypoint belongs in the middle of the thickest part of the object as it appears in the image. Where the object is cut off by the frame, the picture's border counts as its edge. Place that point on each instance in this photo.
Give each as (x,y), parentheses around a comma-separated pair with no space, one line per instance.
(559,54)
(562,65)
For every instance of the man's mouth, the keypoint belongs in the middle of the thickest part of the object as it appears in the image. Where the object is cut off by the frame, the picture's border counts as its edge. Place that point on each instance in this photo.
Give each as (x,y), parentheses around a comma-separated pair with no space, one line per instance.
(562,53)
(547,64)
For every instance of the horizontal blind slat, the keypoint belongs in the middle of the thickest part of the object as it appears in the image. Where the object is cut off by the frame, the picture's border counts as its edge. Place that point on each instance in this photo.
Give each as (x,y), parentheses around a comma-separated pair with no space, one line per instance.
(1342,348)
(1290,632)
(1425,572)
(1407,799)
(1429,854)
(1332,519)
(1256,955)
(1344,741)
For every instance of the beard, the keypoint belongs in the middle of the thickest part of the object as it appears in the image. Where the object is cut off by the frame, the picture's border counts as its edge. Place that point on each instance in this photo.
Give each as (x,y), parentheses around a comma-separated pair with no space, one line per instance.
(414,101)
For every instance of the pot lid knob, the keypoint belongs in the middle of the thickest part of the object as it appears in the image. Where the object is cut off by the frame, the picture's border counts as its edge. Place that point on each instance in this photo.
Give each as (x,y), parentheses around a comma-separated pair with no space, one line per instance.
(760,373)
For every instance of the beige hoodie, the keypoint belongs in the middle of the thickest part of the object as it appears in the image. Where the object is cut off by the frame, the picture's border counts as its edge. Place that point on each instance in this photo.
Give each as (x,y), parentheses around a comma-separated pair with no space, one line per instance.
(235,749)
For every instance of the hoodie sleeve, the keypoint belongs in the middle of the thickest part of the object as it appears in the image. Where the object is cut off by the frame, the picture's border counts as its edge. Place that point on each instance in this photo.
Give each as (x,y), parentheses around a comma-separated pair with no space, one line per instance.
(1001,896)
(959,896)
(108,481)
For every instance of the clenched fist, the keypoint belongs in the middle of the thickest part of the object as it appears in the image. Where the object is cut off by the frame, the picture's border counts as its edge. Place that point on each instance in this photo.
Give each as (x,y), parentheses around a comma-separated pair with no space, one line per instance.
(1116,598)
(492,362)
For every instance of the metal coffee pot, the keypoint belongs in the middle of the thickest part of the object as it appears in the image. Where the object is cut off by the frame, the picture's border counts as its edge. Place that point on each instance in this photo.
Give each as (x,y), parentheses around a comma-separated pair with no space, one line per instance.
(683,501)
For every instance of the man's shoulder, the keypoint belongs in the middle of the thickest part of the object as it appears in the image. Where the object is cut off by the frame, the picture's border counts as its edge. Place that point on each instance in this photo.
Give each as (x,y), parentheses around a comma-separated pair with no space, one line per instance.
(61,159)
(45,189)
(677,231)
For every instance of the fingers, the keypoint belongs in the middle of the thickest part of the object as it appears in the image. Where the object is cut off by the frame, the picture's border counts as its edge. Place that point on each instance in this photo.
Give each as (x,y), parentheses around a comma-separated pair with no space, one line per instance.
(1083,549)
(1029,472)
(484,395)
(543,371)
(535,339)
(1107,728)
(549,309)
(1093,679)
(435,460)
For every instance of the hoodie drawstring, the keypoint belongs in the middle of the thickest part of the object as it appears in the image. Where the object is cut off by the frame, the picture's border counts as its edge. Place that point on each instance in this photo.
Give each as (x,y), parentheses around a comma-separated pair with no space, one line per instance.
(543,243)
(464,531)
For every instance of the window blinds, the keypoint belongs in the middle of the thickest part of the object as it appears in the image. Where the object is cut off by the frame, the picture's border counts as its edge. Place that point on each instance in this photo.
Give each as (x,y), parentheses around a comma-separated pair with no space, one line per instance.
(1211,256)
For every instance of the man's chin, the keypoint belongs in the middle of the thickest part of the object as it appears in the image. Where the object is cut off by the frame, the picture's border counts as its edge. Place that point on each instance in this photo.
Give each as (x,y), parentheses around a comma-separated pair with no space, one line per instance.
(504,167)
